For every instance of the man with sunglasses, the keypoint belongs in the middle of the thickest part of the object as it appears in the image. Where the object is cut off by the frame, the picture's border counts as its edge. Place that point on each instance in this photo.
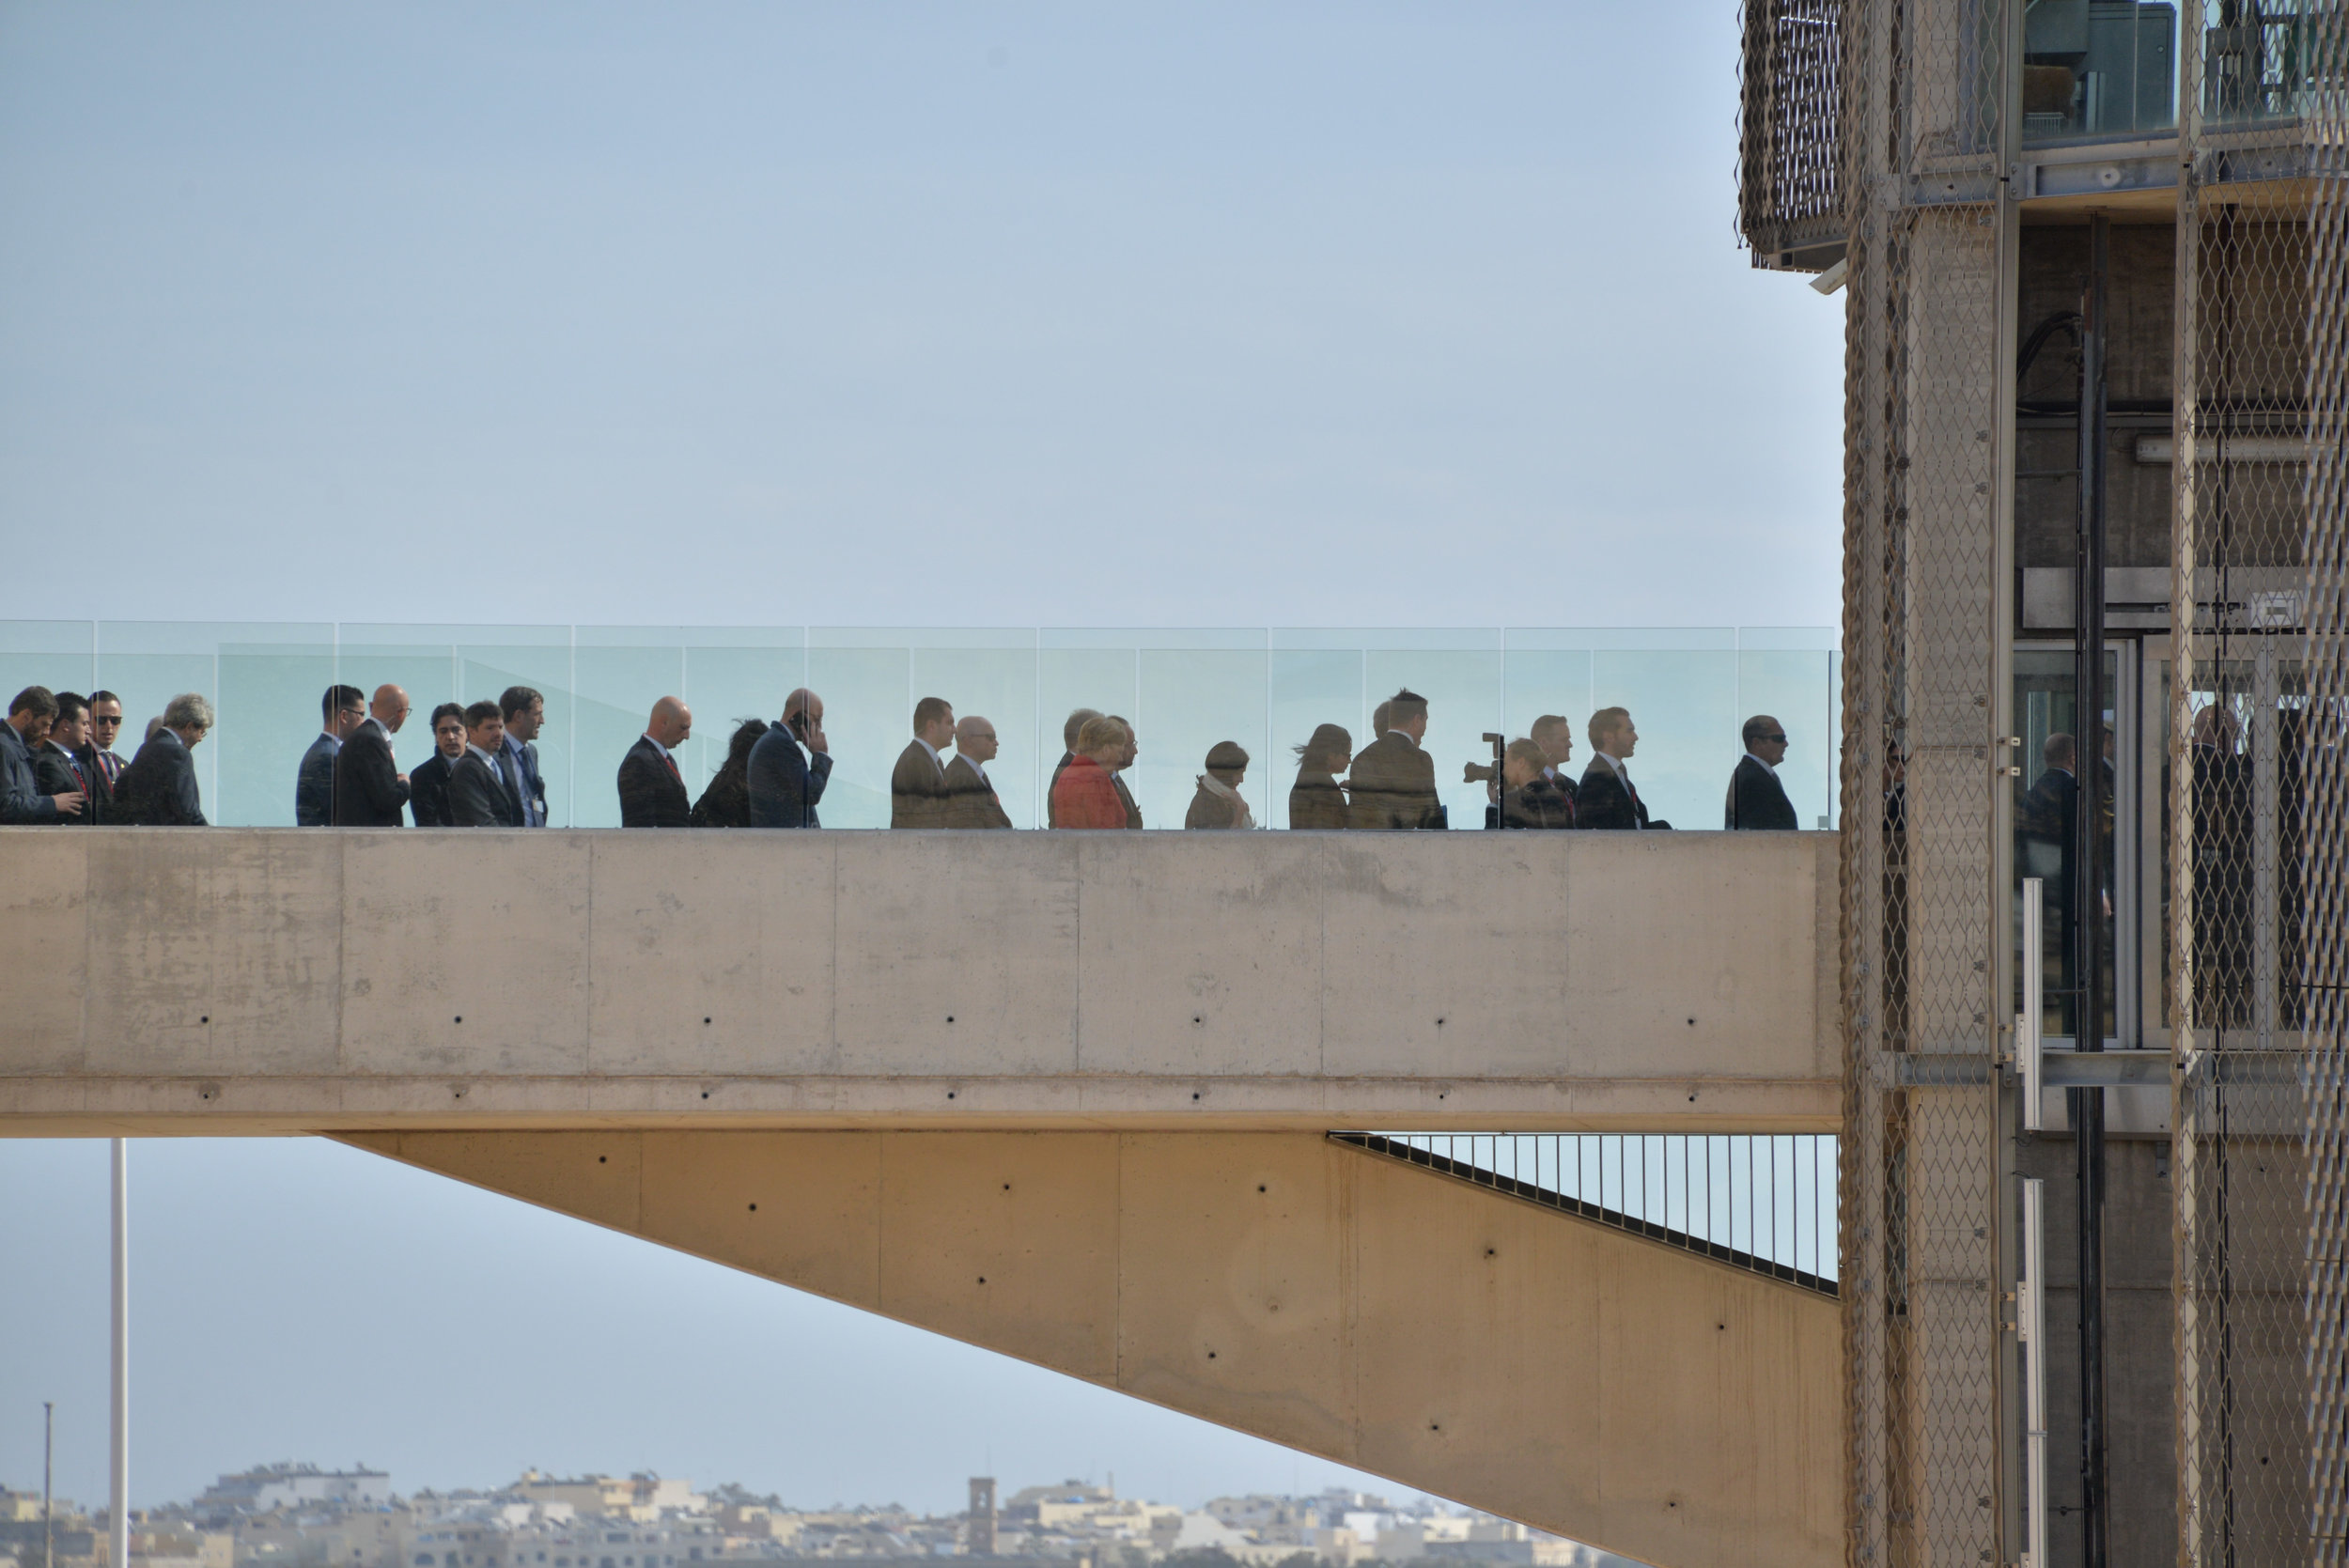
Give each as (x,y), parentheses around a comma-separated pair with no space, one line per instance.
(1757,802)
(97,756)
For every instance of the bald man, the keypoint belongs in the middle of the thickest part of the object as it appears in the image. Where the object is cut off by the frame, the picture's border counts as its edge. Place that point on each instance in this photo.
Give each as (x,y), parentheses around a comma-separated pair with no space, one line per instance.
(369,788)
(652,786)
(790,765)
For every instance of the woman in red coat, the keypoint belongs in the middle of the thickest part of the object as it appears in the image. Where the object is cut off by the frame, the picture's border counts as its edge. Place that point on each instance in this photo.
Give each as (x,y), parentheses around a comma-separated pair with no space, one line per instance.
(1083,796)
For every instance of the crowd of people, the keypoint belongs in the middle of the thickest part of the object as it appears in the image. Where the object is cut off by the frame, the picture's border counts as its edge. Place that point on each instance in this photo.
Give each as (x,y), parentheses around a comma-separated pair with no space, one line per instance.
(58,765)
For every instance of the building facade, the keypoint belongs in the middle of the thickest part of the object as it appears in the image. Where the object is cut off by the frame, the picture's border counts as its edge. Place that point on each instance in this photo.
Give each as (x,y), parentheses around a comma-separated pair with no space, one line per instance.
(2093,260)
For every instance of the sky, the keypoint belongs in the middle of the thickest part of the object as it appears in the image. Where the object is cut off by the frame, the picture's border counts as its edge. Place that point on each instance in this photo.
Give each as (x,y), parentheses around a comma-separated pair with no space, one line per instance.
(993,314)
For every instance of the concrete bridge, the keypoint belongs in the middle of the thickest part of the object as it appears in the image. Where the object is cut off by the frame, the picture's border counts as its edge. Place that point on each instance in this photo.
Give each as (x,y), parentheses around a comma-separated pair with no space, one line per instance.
(1062,1095)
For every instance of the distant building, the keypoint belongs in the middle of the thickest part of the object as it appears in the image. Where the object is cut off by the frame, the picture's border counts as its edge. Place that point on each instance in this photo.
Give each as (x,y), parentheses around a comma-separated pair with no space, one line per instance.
(271,1487)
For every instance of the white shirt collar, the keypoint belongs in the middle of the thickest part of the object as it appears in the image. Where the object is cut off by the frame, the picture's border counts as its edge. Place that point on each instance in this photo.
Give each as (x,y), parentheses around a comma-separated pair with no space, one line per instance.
(332,739)
(1405,736)
(1612,762)
(655,745)
(483,756)
(1772,771)
(973,764)
(936,761)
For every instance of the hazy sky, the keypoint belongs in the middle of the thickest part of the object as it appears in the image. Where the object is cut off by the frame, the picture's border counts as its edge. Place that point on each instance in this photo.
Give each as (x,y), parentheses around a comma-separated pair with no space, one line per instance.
(1251,314)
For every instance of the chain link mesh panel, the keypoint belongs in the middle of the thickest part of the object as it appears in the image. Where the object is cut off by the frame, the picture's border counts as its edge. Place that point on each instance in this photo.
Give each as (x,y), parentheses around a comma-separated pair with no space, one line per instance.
(1922,441)
(2325,943)
(2254,274)
(1789,86)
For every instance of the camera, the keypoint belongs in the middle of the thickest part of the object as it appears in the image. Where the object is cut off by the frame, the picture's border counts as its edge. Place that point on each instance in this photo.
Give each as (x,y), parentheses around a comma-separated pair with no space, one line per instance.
(1478,773)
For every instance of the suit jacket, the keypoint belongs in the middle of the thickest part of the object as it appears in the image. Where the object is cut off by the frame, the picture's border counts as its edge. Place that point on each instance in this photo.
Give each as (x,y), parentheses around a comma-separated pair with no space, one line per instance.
(1757,800)
(917,789)
(517,764)
(1125,799)
(1316,802)
(785,781)
(159,789)
(970,800)
(21,798)
(725,800)
(1539,804)
(100,768)
(1051,788)
(427,792)
(368,790)
(314,784)
(1603,800)
(478,797)
(652,793)
(1393,785)
(57,771)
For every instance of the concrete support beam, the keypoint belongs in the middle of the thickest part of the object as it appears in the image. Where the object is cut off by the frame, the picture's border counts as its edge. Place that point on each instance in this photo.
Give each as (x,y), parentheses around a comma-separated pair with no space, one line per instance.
(1542,1366)
(255,981)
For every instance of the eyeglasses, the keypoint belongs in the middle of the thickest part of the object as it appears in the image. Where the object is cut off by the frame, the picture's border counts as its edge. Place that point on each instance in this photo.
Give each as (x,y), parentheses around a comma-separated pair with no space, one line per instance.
(1779,739)
(104,722)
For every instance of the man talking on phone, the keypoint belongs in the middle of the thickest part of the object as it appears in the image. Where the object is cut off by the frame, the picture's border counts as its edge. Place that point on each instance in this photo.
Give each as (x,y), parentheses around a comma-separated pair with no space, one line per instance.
(789,765)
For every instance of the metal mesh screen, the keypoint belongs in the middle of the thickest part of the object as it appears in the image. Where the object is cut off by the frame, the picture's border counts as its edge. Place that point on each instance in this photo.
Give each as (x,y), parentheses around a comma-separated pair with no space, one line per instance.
(1923,441)
(2259,287)
(2325,825)
(1787,190)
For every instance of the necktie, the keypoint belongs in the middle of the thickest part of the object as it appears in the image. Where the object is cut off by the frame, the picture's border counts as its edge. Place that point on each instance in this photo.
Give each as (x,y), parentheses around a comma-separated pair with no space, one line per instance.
(78,779)
(673,773)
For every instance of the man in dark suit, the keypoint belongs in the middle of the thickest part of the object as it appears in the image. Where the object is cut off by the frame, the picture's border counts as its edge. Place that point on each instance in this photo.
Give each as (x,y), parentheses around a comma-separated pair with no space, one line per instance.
(917,786)
(969,799)
(1118,774)
(1078,720)
(369,788)
(343,710)
(427,782)
(1606,797)
(790,765)
(652,790)
(1393,779)
(524,712)
(477,796)
(158,789)
(57,768)
(105,728)
(1757,802)
(31,712)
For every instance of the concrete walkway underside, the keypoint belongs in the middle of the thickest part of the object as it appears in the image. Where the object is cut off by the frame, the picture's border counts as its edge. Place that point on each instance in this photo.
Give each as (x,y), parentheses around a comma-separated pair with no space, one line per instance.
(1062,1095)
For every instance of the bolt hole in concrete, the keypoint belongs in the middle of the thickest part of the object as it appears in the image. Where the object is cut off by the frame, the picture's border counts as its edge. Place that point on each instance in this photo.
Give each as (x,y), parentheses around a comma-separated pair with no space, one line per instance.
(950,1017)
(460,1018)
(754,1208)
(950,1093)
(705,1020)
(1210,1355)
(1196,1018)
(205,1018)
(1194,1093)
(705,1094)
(1260,1187)
(1491,1253)
(1007,1187)
(982,1278)
(601,1158)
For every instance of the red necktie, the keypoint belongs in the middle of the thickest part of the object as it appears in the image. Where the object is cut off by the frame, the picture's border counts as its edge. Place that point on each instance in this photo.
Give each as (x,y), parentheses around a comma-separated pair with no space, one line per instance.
(673,773)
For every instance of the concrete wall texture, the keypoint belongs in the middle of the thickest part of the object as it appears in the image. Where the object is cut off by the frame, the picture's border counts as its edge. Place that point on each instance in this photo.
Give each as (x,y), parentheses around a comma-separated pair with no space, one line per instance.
(1545,1367)
(1062,1095)
(260,980)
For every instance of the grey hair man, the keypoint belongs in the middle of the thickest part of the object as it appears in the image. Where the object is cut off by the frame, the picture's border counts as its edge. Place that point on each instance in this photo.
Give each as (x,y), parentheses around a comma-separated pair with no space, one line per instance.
(159,789)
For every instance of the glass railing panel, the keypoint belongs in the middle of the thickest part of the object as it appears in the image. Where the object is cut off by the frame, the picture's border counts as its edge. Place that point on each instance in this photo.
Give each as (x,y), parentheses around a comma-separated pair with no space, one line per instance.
(421,661)
(619,672)
(60,655)
(1191,699)
(2099,70)
(990,674)
(272,683)
(1310,687)
(1462,684)
(1684,708)
(1073,674)
(865,678)
(733,674)
(2258,66)
(492,660)
(146,663)
(1795,688)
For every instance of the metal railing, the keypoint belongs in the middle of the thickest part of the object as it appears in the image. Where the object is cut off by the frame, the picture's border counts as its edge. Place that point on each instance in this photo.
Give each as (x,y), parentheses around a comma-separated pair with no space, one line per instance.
(1760,1202)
